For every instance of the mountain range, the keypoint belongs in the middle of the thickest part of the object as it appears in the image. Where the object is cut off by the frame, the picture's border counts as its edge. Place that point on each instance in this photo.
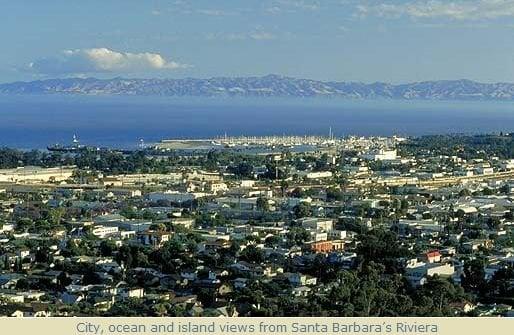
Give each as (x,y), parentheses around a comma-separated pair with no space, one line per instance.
(266,86)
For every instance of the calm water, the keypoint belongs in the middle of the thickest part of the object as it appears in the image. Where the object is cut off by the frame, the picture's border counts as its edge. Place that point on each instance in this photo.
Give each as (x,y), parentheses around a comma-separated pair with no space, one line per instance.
(37,121)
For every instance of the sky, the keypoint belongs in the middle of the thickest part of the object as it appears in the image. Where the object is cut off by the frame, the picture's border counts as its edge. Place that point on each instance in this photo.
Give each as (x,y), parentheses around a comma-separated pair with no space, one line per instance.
(393,41)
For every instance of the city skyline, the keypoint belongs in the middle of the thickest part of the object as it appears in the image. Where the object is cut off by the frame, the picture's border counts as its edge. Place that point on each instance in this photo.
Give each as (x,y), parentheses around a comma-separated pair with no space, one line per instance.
(368,41)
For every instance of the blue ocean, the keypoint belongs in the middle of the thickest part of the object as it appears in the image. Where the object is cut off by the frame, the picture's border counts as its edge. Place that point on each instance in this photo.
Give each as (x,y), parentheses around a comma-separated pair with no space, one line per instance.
(35,121)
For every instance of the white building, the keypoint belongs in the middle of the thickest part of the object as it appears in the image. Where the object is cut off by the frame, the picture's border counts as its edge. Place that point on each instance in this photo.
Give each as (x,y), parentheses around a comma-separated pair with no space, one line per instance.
(103,231)
(338,234)
(316,175)
(247,183)
(218,187)
(380,155)
(317,224)
(417,272)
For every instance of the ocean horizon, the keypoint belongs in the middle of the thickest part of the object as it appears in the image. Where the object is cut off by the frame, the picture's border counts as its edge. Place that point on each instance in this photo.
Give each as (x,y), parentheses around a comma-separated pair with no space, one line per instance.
(36,121)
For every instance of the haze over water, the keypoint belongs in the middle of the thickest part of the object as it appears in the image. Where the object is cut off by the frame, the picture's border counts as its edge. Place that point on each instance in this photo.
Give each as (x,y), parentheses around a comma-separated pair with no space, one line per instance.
(34,121)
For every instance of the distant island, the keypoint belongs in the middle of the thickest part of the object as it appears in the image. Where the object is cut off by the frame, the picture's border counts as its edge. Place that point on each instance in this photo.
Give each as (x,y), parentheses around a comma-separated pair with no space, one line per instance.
(267,86)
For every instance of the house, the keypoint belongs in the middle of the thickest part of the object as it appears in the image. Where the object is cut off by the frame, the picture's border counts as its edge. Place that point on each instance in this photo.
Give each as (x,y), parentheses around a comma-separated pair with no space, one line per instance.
(153,238)
(204,176)
(462,306)
(123,193)
(217,187)
(9,280)
(214,246)
(318,224)
(12,297)
(326,246)
(337,234)
(433,256)
(247,183)
(72,298)
(187,223)
(186,301)
(131,292)
(224,289)
(474,245)
(302,291)
(32,310)
(418,272)
(189,274)
(298,279)
(103,231)
(316,235)
(240,283)
(248,268)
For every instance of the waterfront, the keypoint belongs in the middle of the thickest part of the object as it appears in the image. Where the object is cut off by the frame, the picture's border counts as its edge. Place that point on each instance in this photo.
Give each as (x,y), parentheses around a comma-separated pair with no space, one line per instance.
(33,121)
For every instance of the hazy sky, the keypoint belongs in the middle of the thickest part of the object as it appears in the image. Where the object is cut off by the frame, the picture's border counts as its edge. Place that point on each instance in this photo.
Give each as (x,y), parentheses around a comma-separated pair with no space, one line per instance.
(347,40)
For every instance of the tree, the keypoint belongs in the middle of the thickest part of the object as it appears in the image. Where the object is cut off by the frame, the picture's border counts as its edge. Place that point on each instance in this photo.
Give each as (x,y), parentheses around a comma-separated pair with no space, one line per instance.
(91,277)
(487,191)
(272,241)
(63,280)
(262,204)
(42,255)
(252,254)
(243,169)
(161,309)
(381,246)
(464,192)
(334,194)
(302,210)
(473,278)
(132,256)
(107,247)
(501,283)
(297,192)
(297,235)
(24,224)
(505,189)
(55,215)
(158,227)
(22,284)
(130,307)
(434,298)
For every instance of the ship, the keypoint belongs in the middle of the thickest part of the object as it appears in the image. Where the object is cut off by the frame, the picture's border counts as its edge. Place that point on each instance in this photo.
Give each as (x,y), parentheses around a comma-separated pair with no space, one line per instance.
(74,147)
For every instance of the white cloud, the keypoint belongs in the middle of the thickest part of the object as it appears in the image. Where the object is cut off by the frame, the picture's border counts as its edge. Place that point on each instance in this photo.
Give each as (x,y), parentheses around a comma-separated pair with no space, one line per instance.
(291,6)
(216,12)
(98,60)
(254,35)
(457,10)
(261,35)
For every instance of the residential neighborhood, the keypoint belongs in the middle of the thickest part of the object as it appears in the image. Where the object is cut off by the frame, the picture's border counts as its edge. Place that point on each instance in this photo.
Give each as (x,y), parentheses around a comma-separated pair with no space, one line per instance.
(353,226)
